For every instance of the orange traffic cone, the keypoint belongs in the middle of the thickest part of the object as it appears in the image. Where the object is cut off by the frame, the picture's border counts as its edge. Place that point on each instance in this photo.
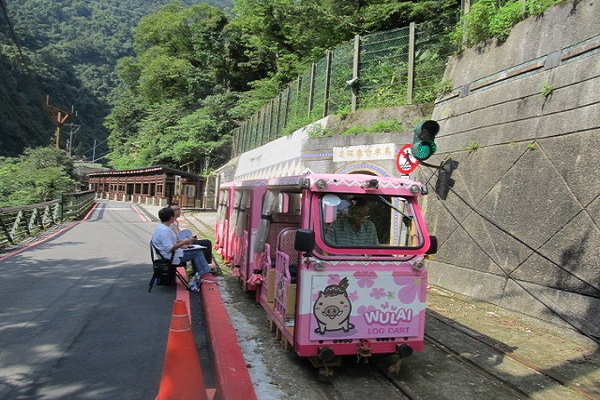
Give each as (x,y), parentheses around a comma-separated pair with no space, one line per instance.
(182,374)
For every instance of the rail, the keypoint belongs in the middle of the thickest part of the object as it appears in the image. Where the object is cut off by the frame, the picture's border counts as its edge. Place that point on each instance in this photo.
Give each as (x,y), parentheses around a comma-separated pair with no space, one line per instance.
(21,222)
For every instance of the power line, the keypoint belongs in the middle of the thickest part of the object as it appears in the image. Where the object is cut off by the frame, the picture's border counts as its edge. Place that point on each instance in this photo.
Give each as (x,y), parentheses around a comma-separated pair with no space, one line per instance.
(14,37)
(96,145)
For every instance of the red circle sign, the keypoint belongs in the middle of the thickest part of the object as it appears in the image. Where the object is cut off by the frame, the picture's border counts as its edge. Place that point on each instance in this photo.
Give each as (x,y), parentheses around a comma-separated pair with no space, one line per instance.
(405,162)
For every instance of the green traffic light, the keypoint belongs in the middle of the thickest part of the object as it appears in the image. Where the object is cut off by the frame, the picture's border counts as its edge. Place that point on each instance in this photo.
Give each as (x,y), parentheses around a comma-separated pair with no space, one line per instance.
(423,150)
(423,140)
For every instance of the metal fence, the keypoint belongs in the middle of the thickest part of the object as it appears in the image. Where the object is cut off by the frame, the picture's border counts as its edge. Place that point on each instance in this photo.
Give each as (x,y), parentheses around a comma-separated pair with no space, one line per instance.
(384,69)
(19,223)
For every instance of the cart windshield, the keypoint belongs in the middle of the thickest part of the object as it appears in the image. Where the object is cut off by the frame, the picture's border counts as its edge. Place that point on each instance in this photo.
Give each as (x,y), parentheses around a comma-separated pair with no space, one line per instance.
(369,221)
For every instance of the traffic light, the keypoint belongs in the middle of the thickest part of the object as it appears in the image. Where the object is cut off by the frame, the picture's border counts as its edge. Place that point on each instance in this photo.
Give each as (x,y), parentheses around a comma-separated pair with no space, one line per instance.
(423,140)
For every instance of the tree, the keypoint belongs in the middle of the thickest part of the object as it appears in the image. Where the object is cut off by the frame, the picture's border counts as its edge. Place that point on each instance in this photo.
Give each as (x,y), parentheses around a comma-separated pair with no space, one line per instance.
(293,33)
(175,105)
(43,173)
(70,52)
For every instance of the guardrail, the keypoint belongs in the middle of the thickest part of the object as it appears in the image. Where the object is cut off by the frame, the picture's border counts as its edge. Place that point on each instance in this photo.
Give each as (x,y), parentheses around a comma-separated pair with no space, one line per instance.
(18,223)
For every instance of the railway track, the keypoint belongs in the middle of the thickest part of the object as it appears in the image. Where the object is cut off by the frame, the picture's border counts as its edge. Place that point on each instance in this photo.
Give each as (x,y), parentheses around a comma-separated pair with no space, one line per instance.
(545,376)
(206,230)
(474,365)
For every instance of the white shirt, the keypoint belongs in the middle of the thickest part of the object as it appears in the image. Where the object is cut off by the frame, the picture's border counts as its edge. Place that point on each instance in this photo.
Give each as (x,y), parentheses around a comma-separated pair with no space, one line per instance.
(164,239)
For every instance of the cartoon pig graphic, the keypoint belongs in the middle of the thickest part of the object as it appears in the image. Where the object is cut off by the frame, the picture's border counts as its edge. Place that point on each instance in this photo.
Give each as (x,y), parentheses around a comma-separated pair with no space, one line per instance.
(332,308)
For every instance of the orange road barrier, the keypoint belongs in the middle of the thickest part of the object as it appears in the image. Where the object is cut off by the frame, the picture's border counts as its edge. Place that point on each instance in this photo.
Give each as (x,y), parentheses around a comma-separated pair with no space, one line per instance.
(182,377)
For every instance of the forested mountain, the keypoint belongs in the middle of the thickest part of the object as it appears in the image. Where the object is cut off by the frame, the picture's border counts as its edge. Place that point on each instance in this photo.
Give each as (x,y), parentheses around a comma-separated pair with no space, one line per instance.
(67,50)
(166,81)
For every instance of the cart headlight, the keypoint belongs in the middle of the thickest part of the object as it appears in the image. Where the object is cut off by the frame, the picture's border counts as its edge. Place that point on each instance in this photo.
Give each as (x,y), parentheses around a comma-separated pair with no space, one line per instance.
(371,184)
(321,184)
(304,183)
(319,265)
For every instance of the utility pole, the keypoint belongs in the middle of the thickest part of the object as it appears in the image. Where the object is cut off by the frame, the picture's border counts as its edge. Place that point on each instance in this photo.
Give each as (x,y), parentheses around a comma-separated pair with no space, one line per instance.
(71,133)
(60,117)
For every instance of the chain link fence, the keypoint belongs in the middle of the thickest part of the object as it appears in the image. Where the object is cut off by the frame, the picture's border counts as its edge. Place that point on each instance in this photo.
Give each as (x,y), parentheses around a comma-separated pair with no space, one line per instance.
(383,69)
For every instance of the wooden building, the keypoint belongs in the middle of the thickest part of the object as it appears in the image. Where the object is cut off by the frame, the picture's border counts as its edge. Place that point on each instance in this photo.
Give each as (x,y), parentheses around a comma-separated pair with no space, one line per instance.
(156,185)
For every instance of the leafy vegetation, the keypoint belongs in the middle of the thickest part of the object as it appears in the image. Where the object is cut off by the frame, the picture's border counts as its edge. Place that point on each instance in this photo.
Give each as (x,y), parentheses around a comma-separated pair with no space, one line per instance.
(494,19)
(198,72)
(67,50)
(43,173)
(547,89)
(472,146)
(381,126)
(392,125)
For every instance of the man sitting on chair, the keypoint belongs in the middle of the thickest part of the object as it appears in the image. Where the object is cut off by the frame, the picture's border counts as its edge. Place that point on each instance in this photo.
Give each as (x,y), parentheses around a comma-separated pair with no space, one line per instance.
(165,241)
(206,245)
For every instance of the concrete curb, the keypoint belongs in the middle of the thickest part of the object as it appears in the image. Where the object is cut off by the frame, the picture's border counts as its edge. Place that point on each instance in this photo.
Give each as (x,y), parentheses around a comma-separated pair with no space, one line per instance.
(233,378)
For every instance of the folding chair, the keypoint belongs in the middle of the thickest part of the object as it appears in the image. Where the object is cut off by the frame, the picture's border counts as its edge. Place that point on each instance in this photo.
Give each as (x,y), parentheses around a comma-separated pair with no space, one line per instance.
(166,273)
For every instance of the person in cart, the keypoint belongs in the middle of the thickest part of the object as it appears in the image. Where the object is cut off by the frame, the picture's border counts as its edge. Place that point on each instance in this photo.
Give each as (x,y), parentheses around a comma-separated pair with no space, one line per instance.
(353,229)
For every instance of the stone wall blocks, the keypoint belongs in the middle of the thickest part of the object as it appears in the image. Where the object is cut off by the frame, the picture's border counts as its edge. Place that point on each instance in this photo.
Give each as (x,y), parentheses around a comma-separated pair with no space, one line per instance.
(555,306)
(479,285)
(530,200)
(561,261)
(586,118)
(519,228)
(593,210)
(576,152)
(576,95)
(563,25)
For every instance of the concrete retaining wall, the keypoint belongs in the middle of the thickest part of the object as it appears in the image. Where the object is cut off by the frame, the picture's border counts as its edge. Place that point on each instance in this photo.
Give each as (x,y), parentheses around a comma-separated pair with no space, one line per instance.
(520,225)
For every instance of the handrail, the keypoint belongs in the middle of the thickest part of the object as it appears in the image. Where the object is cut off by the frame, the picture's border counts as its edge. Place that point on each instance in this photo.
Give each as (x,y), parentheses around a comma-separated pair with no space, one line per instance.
(20,222)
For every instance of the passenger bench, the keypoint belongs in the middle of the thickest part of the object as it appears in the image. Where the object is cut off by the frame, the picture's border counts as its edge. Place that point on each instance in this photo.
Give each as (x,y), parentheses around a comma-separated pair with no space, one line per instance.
(279,222)
(285,291)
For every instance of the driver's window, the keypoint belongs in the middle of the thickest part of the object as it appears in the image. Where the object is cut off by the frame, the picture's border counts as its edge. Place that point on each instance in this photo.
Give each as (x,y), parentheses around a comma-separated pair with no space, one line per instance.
(347,222)
(368,221)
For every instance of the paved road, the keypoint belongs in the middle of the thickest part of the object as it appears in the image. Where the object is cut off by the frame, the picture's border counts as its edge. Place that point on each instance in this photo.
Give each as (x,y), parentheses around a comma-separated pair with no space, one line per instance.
(76,318)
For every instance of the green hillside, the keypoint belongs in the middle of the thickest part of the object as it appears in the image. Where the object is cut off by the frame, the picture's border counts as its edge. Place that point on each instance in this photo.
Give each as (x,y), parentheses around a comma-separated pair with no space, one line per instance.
(67,50)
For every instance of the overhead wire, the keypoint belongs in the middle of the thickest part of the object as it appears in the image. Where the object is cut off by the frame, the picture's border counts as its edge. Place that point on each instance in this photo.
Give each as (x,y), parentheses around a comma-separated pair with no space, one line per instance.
(28,72)
(100,3)
(14,37)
